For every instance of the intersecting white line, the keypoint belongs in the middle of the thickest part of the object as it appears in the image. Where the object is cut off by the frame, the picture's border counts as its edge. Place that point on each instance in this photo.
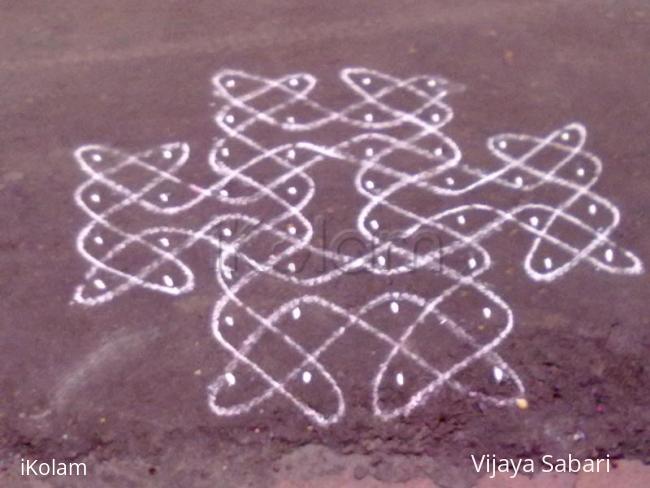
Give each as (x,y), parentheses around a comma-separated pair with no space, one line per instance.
(368,149)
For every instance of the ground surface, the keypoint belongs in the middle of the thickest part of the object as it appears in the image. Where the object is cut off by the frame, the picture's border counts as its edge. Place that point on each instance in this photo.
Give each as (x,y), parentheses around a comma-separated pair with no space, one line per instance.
(123,384)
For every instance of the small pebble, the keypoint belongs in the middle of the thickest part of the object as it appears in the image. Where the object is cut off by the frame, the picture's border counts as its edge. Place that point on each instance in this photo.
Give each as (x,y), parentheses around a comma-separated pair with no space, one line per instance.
(360,472)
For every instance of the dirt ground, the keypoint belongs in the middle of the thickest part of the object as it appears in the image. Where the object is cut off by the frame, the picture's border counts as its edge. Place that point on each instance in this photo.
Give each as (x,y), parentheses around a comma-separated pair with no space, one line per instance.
(123,385)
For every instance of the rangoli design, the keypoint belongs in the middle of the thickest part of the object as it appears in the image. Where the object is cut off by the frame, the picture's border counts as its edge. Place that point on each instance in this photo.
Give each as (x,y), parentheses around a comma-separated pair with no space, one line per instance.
(428,318)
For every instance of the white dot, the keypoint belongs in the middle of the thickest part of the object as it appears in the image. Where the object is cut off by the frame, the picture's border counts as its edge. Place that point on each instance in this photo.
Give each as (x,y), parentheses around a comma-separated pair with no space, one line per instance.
(292,190)
(97,158)
(227,273)
(394,307)
(295,313)
(306,377)
(293,82)
(292,230)
(229,321)
(487,312)
(292,267)
(230,119)
(438,151)
(580,172)
(472,263)
(164,197)
(167,280)
(225,152)
(95,197)
(230,378)
(461,219)
(498,374)
(99,284)
(565,136)
(98,240)
(223,192)
(291,120)
(503,144)
(167,154)
(291,154)
(374,224)
(431,83)
(534,221)
(368,117)
(519,181)
(230,83)
(609,255)
(399,378)
(592,209)
(381,260)
(548,263)
(435,117)
(366,81)
(164,241)
(449,180)
(370,184)
(369,151)
(227,232)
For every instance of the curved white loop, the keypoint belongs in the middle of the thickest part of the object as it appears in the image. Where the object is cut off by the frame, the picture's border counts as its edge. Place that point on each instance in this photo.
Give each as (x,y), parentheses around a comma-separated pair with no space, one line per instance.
(144,214)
